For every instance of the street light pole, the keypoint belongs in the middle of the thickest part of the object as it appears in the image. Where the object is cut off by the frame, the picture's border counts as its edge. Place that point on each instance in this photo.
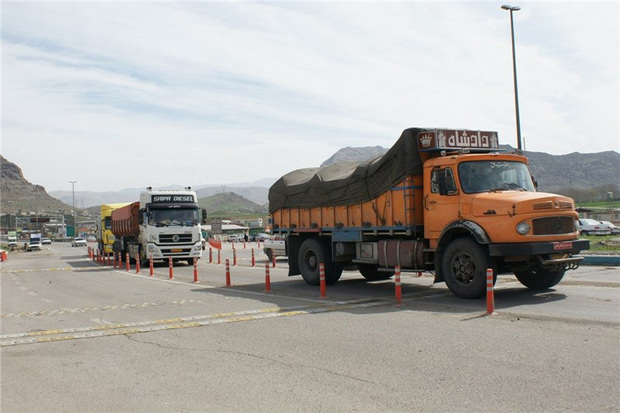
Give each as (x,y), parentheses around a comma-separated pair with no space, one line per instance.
(73,210)
(514,71)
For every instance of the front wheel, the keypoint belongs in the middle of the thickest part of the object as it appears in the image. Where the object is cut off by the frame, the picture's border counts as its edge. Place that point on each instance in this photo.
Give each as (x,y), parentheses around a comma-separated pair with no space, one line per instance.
(464,266)
(313,252)
(539,279)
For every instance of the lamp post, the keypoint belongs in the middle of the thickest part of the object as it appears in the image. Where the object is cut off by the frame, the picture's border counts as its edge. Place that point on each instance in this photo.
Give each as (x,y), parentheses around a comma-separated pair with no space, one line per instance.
(73,210)
(514,71)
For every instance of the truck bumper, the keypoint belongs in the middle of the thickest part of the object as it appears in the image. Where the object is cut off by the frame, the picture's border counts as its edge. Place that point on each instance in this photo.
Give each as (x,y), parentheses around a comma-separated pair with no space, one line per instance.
(539,248)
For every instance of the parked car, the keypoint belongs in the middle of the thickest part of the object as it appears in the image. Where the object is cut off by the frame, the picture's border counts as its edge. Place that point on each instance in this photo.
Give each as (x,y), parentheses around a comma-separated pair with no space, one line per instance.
(46,241)
(592,227)
(261,236)
(34,245)
(78,242)
(614,230)
(235,238)
(275,245)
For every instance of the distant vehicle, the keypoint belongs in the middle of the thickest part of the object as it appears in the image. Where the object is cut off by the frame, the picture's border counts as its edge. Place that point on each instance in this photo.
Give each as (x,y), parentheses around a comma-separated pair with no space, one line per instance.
(275,245)
(46,241)
(78,242)
(592,227)
(91,239)
(35,243)
(12,240)
(235,238)
(614,230)
(261,236)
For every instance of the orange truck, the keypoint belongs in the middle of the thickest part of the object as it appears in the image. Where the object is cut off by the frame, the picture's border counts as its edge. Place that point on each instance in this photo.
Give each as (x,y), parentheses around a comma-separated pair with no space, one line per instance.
(446,201)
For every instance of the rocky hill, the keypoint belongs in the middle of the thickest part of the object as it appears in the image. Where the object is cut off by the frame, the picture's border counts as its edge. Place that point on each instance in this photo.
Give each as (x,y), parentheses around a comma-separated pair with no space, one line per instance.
(229,203)
(18,196)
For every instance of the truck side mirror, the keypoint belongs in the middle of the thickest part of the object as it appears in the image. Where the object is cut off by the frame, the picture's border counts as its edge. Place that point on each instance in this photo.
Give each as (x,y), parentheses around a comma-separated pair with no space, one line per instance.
(535,182)
(203,216)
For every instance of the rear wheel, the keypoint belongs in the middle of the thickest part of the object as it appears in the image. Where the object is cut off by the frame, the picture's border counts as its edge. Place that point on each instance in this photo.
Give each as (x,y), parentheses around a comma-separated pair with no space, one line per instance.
(539,279)
(313,252)
(464,266)
(371,272)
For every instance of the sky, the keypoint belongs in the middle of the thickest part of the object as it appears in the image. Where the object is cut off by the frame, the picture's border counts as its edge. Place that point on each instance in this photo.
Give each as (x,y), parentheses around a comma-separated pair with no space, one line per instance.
(117,95)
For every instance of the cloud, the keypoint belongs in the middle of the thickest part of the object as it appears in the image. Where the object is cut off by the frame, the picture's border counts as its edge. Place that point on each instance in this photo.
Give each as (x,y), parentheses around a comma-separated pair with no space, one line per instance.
(119,95)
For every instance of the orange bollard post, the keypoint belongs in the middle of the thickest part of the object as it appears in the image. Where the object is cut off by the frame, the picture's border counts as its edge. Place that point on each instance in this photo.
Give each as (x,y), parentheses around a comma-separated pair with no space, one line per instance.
(120,260)
(151,266)
(234,257)
(227,272)
(322,280)
(398,287)
(490,293)
(219,257)
(128,261)
(273,259)
(170,269)
(137,263)
(253,258)
(195,270)
(267,279)
(210,255)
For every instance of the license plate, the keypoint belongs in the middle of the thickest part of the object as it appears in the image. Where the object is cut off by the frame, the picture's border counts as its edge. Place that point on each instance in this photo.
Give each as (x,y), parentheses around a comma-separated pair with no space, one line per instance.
(176,250)
(558,246)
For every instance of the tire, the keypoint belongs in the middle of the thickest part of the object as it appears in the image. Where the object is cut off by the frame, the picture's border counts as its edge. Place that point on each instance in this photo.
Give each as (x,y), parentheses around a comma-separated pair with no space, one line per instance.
(585,233)
(371,272)
(311,253)
(539,279)
(464,265)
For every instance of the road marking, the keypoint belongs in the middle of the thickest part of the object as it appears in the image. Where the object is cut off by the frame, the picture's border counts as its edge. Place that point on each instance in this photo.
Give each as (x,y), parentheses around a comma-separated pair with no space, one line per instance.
(91,309)
(47,336)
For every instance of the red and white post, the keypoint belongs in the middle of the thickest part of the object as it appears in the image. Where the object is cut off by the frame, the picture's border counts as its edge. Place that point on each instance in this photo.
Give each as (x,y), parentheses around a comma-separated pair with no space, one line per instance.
(490,293)
(398,287)
(322,280)
(170,269)
(228,273)
(253,258)
(127,259)
(137,263)
(195,269)
(151,266)
(267,279)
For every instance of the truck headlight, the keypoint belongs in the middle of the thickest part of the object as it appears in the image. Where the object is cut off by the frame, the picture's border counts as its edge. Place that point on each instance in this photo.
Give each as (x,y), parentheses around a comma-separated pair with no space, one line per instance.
(150,248)
(523,228)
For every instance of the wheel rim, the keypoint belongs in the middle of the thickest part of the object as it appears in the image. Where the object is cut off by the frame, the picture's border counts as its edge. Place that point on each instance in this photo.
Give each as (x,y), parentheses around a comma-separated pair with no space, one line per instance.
(464,268)
(311,260)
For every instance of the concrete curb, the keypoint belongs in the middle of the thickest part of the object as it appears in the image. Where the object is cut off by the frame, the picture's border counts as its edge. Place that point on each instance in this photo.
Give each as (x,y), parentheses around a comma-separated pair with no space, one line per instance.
(611,260)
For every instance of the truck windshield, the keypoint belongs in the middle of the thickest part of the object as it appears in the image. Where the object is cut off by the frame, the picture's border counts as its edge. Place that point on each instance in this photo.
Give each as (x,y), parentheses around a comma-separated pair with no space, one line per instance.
(170,217)
(489,176)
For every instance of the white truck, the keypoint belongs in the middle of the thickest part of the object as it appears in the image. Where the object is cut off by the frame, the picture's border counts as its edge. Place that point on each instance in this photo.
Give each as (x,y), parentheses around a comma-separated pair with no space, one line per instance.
(35,242)
(163,224)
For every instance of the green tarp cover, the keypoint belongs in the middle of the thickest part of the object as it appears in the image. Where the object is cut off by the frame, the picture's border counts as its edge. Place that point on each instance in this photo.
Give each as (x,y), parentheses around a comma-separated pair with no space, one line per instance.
(348,182)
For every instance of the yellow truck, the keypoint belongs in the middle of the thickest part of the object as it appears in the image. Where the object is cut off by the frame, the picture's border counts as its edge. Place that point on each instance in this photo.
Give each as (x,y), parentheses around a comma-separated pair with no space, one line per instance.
(446,201)
(105,237)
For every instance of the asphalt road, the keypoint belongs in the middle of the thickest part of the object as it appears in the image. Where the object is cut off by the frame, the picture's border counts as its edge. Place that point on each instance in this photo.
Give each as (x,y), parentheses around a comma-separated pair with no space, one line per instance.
(81,336)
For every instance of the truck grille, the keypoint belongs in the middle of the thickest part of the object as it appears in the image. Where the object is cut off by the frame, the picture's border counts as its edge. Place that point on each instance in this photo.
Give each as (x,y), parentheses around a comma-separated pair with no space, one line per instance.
(175,238)
(550,205)
(553,225)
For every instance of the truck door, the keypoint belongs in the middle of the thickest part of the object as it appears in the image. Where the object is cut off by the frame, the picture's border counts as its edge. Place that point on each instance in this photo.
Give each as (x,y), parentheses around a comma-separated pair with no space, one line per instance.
(441,202)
